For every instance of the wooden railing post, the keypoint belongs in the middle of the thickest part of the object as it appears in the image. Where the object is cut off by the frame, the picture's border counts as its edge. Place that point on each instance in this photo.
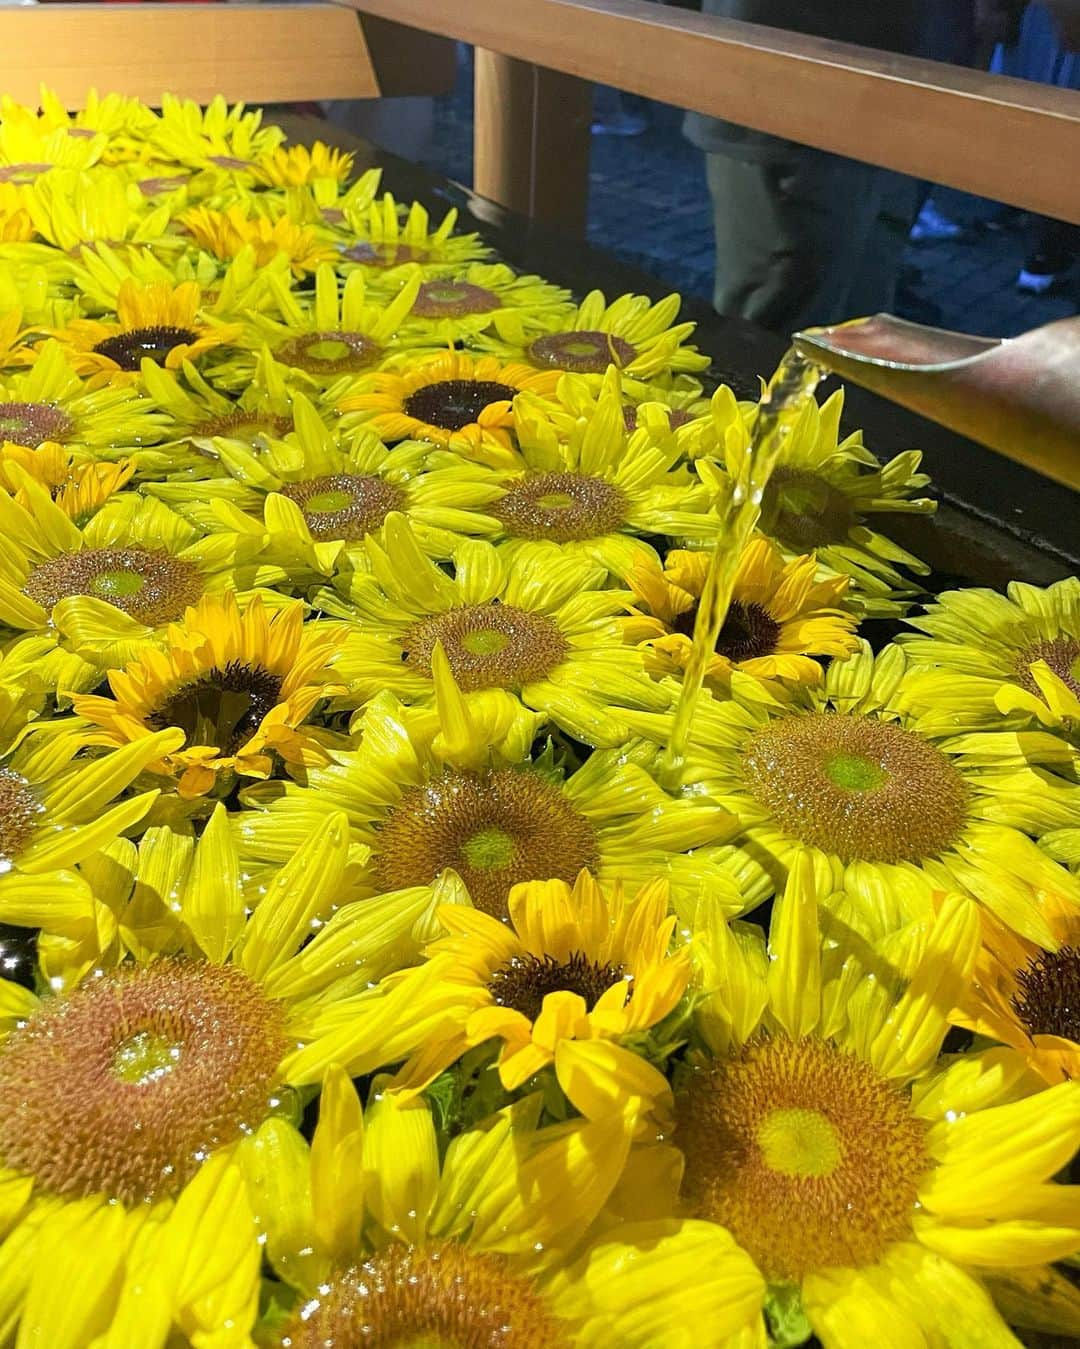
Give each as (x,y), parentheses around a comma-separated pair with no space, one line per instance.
(531,139)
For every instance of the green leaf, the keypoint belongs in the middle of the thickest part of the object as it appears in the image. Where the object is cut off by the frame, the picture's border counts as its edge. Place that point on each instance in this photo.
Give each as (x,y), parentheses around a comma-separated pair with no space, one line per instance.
(785,1317)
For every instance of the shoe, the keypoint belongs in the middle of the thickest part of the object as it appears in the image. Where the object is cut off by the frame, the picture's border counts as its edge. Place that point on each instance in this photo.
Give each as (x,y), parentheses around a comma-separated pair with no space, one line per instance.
(933,227)
(620,124)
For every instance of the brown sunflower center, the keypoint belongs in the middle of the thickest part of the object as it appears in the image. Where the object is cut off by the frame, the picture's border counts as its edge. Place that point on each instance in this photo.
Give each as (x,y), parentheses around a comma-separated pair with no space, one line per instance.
(125,1085)
(31,423)
(861,789)
(453,299)
(250,427)
(495,829)
(525,981)
(676,417)
(803,1153)
(345,505)
(383,255)
(804,511)
(222,708)
(153,587)
(749,631)
(1047,998)
(1062,654)
(488,645)
(444,1296)
(451,404)
(18,809)
(130,348)
(585,352)
(334,352)
(562,507)
(150,187)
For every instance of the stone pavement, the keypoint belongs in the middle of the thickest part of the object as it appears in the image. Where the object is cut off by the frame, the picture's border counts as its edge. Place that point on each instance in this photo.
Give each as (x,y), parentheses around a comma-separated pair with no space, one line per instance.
(648,204)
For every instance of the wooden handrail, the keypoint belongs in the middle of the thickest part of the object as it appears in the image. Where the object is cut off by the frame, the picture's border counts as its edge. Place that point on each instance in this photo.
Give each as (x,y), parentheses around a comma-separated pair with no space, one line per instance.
(1007,139)
(256,53)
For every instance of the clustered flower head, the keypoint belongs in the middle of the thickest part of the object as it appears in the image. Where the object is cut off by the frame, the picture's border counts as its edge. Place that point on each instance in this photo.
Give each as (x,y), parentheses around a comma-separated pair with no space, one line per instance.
(377,974)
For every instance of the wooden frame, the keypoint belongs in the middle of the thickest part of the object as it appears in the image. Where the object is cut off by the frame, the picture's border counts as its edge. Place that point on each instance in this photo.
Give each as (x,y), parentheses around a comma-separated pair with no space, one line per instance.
(1007,139)
(252,52)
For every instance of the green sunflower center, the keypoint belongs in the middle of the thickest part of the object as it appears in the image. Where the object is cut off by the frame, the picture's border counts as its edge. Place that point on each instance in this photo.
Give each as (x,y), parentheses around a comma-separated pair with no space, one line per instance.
(453,299)
(748,633)
(563,507)
(804,511)
(345,505)
(32,423)
(585,352)
(444,1296)
(329,353)
(152,587)
(858,788)
(125,1085)
(1062,654)
(488,645)
(129,349)
(18,810)
(494,829)
(452,404)
(222,708)
(525,981)
(803,1153)
(1047,997)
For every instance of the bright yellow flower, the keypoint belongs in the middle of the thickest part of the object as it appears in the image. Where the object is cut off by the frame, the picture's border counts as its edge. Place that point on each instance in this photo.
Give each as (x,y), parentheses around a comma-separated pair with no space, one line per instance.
(72,210)
(385,235)
(681,396)
(239,685)
(227,233)
(478,297)
(153,322)
(460,401)
(218,136)
(295,164)
(780,615)
(16,223)
(78,486)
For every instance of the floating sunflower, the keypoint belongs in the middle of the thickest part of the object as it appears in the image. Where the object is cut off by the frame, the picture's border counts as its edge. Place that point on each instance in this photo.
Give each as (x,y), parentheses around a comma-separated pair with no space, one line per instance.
(820,495)
(226,138)
(101,590)
(79,487)
(31,146)
(16,222)
(290,166)
(76,210)
(879,1192)
(462,402)
(595,488)
(479,297)
(124,121)
(477,1246)
(554,637)
(156,322)
(631,333)
(50,403)
(386,235)
(240,686)
(227,233)
(779,618)
(894,811)
(459,794)
(681,396)
(142,1087)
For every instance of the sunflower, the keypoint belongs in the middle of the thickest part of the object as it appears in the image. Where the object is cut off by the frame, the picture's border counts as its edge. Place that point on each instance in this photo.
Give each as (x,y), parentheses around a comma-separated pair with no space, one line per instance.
(227,233)
(217,136)
(876,1191)
(483,1245)
(31,147)
(332,337)
(74,210)
(296,164)
(317,497)
(16,223)
(590,489)
(141,1086)
(386,235)
(79,487)
(479,297)
(462,402)
(1016,655)
(778,616)
(153,322)
(554,638)
(101,590)
(893,810)
(15,349)
(820,494)
(239,686)
(50,403)
(631,333)
(124,121)
(681,396)
(454,799)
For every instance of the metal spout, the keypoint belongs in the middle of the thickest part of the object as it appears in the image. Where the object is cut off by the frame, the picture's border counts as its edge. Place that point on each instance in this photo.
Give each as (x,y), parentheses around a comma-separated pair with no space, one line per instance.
(1019,396)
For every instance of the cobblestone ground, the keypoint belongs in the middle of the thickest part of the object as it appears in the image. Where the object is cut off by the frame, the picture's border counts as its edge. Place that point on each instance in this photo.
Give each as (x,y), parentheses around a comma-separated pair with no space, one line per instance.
(648,204)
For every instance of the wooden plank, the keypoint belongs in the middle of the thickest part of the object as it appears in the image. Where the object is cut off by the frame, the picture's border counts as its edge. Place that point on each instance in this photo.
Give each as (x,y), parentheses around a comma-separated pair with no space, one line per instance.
(531,139)
(257,53)
(1011,140)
